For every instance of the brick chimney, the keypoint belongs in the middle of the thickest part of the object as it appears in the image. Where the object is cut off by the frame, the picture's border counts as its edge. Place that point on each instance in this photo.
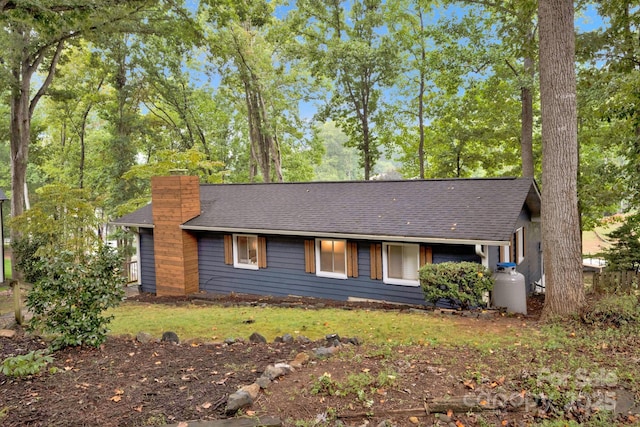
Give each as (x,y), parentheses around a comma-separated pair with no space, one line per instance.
(175,200)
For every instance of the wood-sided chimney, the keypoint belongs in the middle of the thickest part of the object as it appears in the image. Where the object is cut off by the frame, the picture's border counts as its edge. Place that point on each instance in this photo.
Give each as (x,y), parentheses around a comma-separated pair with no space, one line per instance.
(175,200)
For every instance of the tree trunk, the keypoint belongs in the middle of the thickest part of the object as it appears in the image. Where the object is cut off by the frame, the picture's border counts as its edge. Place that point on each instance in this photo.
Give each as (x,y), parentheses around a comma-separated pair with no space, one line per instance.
(560,223)
(526,135)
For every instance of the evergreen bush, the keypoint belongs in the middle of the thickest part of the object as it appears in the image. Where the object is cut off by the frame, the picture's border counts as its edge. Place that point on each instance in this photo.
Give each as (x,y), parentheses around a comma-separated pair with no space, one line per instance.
(69,298)
(462,283)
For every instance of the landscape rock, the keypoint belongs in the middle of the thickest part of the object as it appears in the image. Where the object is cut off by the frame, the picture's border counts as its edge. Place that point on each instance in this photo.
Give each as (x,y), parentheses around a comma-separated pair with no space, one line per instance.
(263,382)
(287,339)
(353,341)
(230,341)
(321,352)
(7,333)
(300,360)
(253,390)
(287,368)
(238,400)
(273,372)
(303,340)
(170,336)
(256,338)
(144,337)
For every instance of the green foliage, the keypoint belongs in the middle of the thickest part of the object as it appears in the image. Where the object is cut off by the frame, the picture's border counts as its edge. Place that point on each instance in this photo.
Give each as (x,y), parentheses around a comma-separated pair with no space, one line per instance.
(31,363)
(64,218)
(624,255)
(69,298)
(464,283)
(614,310)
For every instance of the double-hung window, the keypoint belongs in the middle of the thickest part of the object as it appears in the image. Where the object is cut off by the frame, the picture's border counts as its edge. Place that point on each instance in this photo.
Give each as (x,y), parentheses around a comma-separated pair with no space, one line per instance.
(245,251)
(331,258)
(400,263)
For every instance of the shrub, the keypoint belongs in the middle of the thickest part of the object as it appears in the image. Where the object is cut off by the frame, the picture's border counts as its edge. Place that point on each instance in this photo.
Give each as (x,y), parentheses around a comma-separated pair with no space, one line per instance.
(613,310)
(69,298)
(463,283)
(27,364)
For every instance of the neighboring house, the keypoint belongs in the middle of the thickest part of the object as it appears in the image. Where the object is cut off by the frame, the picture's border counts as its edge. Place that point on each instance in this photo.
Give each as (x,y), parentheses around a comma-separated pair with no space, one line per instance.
(337,240)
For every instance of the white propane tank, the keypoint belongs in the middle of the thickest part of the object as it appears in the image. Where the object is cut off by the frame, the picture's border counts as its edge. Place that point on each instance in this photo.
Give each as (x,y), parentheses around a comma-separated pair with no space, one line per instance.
(509,290)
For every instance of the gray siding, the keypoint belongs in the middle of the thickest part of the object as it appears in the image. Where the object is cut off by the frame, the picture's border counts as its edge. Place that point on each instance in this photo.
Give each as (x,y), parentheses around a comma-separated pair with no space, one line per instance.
(147,261)
(530,267)
(285,274)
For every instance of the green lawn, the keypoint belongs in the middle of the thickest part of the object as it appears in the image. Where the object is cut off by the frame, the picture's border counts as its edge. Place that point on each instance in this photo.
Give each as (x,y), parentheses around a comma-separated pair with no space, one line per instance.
(213,323)
(7,268)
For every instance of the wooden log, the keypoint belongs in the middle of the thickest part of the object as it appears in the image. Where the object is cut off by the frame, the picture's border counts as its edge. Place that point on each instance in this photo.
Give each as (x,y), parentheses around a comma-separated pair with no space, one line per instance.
(442,406)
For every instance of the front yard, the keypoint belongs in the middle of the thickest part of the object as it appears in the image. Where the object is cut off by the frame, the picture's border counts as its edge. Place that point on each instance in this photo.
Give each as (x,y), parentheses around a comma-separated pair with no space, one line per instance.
(535,374)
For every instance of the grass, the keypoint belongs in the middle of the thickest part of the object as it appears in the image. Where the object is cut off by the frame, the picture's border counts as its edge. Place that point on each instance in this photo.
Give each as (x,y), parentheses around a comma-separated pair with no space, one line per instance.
(376,327)
(7,268)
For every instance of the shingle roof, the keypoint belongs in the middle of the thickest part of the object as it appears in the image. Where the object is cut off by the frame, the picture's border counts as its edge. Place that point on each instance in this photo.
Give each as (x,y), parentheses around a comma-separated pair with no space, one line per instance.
(483,210)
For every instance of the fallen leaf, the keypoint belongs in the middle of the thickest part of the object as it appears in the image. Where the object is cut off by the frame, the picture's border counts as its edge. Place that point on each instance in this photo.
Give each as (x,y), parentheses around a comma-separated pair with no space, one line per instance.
(185,378)
(504,423)
(116,398)
(450,413)
(250,413)
(191,369)
(155,354)
(469,384)
(183,424)
(206,405)
(365,370)
(182,387)
(195,344)
(483,402)
(119,391)
(459,424)
(158,363)
(414,420)
(132,354)
(68,368)
(138,408)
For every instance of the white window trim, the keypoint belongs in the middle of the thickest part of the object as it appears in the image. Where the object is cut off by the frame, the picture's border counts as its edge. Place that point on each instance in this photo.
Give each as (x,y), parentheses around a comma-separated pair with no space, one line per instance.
(385,271)
(505,254)
(330,274)
(236,261)
(519,243)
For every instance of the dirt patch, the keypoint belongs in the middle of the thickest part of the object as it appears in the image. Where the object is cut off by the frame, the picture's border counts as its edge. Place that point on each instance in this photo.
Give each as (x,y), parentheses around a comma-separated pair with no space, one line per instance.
(127,383)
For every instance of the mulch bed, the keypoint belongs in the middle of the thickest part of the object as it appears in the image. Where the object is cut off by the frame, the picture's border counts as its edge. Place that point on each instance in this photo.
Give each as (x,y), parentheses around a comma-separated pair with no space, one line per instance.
(128,383)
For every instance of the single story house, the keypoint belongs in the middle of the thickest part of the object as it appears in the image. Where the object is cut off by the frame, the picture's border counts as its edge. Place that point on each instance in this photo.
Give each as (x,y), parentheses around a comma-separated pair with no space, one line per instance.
(337,240)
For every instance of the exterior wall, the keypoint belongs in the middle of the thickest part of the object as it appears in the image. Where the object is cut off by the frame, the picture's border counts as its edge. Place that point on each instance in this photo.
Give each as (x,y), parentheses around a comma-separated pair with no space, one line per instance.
(146,259)
(285,272)
(531,266)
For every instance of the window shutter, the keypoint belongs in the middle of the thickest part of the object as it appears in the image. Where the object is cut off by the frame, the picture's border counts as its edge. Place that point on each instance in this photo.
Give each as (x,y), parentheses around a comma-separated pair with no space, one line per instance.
(352,259)
(524,242)
(228,249)
(426,255)
(504,251)
(513,251)
(376,261)
(262,252)
(309,256)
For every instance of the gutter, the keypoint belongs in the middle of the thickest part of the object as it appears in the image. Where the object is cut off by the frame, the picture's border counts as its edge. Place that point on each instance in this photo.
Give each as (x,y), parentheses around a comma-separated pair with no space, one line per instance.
(389,238)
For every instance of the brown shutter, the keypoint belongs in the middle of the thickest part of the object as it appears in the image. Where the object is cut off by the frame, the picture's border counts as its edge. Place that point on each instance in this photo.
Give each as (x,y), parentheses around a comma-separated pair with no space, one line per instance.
(262,252)
(524,243)
(503,251)
(426,255)
(376,261)
(309,256)
(228,249)
(352,259)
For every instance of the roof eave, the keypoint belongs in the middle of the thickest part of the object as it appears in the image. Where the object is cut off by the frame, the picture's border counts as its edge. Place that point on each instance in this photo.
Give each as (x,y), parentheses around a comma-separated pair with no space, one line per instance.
(390,238)
(132,224)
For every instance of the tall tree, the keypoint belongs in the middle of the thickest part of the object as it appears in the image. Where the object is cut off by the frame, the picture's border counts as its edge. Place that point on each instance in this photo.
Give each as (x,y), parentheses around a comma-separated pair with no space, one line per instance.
(36,34)
(560,220)
(353,48)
